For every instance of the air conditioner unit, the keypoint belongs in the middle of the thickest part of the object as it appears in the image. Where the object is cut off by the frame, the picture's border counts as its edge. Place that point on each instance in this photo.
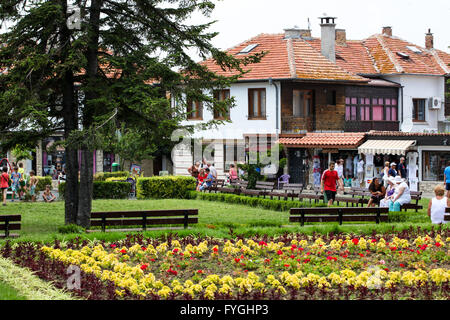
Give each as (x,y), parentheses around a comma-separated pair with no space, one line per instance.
(435,103)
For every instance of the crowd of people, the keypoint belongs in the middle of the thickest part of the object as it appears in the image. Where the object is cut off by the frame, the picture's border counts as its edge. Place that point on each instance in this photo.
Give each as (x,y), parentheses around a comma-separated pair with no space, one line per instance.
(390,190)
(20,184)
(206,174)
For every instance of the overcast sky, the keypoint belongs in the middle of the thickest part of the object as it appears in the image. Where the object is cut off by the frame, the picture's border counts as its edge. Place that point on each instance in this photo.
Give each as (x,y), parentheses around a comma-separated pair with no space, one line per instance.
(239,20)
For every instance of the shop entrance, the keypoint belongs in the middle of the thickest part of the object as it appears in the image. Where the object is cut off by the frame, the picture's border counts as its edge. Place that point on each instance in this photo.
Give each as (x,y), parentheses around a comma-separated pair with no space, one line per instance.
(298,165)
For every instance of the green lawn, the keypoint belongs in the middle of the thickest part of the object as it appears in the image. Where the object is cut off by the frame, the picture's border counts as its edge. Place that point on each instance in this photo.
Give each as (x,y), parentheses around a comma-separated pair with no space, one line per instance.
(40,221)
(8,293)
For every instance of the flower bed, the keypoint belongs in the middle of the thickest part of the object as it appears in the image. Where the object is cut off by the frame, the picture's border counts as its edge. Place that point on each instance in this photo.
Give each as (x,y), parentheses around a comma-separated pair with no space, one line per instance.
(408,265)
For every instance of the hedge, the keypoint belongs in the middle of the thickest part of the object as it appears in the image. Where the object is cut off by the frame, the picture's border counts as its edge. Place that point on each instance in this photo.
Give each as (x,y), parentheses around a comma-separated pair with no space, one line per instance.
(166,187)
(102,176)
(43,182)
(104,190)
(271,204)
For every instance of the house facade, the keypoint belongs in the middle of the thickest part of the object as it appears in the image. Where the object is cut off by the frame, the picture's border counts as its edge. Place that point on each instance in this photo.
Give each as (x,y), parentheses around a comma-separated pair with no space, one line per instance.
(321,97)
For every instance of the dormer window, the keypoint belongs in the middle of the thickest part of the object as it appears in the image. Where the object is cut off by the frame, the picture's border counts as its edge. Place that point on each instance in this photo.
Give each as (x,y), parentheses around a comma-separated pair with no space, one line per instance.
(414,49)
(248,48)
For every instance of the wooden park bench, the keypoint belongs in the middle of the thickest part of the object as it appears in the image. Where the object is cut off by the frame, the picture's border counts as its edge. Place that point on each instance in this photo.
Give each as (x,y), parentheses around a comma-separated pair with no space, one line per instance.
(7,226)
(447,216)
(348,200)
(303,215)
(262,188)
(414,204)
(311,197)
(288,190)
(143,218)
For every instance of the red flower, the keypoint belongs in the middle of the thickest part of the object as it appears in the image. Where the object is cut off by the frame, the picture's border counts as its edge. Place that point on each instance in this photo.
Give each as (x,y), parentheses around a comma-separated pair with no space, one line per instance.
(306,260)
(386,269)
(287,265)
(144,248)
(113,246)
(374,240)
(402,265)
(301,249)
(144,266)
(331,258)
(437,244)
(355,241)
(279,252)
(294,246)
(400,251)
(262,243)
(199,271)
(423,247)
(123,251)
(418,251)
(308,253)
(344,256)
(237,260)
(292,256)
(267,260)
(215,249)
(152,260)
(393,248)
(171,271)
(361,255)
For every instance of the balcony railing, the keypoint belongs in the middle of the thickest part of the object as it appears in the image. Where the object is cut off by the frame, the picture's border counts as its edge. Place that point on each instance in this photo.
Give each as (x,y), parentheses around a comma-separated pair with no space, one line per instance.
(364,126)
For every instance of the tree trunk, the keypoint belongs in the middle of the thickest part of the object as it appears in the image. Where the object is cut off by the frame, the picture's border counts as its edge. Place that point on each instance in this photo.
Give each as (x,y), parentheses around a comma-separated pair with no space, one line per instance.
(70,114)
(86,188)
(87,163)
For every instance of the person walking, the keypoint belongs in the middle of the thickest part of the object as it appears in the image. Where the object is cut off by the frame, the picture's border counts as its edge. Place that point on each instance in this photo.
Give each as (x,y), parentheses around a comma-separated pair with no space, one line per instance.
(340,170)
(385,174)
(232,173)
(437,205)
(360,171)
(32,184)
(401,168)
(392,171)
(447,179)
(328,183)
(4,183)
(15,183)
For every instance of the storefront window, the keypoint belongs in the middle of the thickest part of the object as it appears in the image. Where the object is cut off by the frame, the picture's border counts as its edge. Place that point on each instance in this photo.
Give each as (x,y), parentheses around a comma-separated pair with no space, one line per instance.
(433,165)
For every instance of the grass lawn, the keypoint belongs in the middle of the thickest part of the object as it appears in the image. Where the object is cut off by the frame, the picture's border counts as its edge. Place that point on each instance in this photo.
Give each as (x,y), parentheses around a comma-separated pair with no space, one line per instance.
(9,293)
(40,221)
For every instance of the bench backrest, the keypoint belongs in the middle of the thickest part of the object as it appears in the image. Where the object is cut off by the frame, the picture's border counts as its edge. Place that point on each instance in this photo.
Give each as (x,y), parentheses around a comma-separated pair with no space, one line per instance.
(346,210)
(293,186)
(10,222)
(265,185)
(144,218)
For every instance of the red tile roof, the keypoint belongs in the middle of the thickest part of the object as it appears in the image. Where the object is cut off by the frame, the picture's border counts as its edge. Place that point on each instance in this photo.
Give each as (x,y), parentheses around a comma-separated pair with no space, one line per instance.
(301,59)
(340,140)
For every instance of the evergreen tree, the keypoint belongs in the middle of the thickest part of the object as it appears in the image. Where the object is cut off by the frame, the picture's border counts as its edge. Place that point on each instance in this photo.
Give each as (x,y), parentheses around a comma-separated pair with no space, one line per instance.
(112,73)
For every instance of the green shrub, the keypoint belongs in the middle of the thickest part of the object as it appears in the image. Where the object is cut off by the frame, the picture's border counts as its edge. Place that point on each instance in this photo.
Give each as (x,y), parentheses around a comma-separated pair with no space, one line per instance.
(115,179)
(174,187)
(265,203)
(43,182)
(104,189)
(102,176)
(71,228)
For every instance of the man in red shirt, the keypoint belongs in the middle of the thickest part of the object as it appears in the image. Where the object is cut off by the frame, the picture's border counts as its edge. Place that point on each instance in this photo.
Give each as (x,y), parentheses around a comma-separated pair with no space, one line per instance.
(328,183)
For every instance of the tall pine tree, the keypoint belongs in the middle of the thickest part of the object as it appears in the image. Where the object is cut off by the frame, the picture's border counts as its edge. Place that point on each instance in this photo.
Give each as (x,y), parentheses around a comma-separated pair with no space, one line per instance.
(111,74)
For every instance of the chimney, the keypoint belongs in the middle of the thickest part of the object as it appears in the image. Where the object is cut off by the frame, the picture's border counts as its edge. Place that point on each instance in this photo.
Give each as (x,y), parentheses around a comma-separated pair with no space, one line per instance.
(341,38)
(387,31)
(292,33)
(429,40)
(328,37)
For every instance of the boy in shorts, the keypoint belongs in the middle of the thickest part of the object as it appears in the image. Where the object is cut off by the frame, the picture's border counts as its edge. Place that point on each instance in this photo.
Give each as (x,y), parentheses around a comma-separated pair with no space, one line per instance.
(32,184)
(15,183)
(48,195)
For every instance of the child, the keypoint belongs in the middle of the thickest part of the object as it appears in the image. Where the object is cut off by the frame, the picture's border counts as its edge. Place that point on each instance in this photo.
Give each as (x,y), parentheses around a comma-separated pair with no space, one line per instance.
(436,206)
(33,183)
(4,183)
(48,195)
(201,178)
(15,180)
(22,182)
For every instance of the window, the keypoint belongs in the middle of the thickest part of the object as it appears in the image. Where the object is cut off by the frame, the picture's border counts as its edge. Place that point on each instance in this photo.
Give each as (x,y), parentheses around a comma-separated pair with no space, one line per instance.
(370,109)
(418,110)
(194,110)
(221,95)
(433,165)
(257,104)
(301,103)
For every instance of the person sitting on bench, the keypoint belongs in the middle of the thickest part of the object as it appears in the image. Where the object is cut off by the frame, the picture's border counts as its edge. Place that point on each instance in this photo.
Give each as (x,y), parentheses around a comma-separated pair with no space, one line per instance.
(208,181)
(437,205)
(402,194)
(377,190)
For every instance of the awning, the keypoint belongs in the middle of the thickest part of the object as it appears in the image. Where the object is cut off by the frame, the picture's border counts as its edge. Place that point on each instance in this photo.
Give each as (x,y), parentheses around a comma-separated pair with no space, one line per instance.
(325,140)
(395,147)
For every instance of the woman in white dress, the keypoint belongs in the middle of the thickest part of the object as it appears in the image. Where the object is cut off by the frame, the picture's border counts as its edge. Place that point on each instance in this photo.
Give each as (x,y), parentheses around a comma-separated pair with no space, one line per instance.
(437,205)
(402,194)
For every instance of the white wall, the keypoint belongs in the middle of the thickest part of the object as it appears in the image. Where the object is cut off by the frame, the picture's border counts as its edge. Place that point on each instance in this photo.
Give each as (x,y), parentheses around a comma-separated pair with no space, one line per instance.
(238,115)
(421,87)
